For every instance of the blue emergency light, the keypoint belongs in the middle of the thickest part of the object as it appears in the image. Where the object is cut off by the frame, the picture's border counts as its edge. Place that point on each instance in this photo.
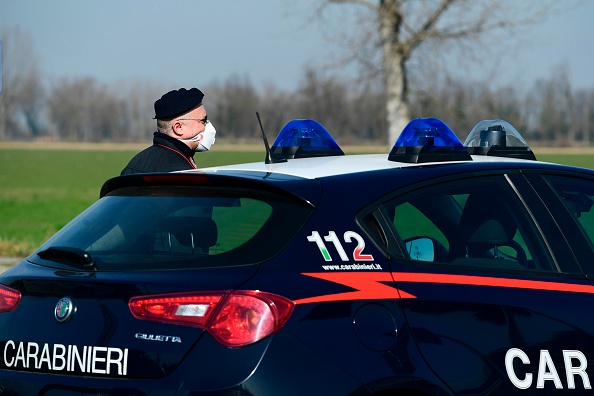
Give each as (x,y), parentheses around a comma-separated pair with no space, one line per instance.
(305,138)
(497,138)
(428,140)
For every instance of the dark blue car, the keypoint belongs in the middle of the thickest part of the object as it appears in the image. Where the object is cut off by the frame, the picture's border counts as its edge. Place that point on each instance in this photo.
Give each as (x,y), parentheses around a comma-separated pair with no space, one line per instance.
(438,268)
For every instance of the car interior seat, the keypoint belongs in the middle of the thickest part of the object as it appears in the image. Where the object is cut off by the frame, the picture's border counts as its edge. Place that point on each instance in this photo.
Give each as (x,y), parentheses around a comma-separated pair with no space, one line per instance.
(485,225)
(186,235)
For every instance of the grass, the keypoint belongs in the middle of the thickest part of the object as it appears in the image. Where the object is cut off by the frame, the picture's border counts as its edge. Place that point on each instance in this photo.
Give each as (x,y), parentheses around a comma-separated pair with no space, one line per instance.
(42,190)
(43,187)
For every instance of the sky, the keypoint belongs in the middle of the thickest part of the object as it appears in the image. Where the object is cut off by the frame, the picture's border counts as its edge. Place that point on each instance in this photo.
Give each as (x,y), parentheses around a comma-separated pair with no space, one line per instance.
(184,43)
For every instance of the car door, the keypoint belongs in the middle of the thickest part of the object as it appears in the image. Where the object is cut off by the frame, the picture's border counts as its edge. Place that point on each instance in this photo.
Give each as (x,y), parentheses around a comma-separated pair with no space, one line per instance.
(570,199)
(492,293)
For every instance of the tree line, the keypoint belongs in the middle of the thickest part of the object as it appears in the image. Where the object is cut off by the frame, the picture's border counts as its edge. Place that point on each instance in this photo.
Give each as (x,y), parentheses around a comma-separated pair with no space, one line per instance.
(86,110)
(400,74)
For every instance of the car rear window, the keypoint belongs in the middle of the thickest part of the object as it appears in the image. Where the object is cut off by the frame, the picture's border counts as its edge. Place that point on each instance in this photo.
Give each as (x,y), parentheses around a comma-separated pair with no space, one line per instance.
(144,228)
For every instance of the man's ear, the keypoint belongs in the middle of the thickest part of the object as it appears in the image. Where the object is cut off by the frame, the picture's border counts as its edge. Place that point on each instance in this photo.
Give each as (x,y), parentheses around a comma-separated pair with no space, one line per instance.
(177,126)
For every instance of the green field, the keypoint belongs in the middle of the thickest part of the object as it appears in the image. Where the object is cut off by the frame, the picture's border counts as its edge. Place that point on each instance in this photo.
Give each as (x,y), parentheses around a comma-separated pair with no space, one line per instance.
(41,190)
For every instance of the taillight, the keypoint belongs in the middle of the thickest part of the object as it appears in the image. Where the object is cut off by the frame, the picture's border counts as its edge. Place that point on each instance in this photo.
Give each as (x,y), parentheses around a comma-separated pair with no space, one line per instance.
(234,318)
(9,298)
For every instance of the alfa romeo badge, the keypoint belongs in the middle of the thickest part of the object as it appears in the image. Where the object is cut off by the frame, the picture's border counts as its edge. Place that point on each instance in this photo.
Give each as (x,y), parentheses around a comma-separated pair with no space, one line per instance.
(64,309)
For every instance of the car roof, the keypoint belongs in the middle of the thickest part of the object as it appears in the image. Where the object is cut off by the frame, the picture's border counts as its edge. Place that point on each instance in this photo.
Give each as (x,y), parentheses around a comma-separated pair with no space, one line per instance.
(318,167)
(305,149)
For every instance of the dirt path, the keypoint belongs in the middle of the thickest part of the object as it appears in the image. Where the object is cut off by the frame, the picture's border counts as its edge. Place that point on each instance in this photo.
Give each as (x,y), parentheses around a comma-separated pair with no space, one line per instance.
(8,262)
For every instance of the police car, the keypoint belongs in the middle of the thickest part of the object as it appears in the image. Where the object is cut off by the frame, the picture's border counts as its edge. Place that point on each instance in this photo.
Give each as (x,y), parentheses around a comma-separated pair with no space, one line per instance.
(437,268)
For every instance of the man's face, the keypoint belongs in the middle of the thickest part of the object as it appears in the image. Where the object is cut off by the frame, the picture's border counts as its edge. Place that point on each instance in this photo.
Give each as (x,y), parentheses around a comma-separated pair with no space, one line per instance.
(189,125)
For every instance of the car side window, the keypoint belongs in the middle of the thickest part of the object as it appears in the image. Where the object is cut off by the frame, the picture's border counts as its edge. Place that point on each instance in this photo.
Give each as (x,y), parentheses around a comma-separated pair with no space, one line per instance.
(578,197)
(474,222)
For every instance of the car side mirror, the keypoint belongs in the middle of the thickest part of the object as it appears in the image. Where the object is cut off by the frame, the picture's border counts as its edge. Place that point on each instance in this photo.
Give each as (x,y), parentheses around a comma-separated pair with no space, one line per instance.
(577,203)
(421,249)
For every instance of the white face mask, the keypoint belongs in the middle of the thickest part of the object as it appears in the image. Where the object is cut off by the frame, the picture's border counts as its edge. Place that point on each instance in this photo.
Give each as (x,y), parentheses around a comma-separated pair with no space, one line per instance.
(206,138)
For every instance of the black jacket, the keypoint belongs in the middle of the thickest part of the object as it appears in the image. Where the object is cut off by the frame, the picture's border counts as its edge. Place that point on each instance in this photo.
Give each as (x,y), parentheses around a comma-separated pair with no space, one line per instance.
(167,154)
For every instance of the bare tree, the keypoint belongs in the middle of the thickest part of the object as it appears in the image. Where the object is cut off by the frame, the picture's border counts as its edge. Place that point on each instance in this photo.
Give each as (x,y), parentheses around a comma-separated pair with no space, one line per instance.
(351,114)
(554,109)
(140,97)
(277,108)
(583,101)
(397,29)
(235,103)
(22,97)
(84,110)
(325,100)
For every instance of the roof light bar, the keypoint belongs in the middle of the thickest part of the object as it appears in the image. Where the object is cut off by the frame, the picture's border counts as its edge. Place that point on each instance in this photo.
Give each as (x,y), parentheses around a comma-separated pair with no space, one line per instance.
(428,140)
(305,138)
(498,138)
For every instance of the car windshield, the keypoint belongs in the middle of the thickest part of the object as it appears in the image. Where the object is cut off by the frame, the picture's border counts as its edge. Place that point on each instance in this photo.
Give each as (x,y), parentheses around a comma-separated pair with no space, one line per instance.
(143,228)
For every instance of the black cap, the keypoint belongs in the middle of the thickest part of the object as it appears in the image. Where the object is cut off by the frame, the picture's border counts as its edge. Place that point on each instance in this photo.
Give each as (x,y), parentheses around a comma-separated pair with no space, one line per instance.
(175,103)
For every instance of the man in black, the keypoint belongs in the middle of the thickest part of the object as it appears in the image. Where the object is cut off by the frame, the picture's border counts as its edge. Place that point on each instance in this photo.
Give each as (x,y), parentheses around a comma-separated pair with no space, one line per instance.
(183,129)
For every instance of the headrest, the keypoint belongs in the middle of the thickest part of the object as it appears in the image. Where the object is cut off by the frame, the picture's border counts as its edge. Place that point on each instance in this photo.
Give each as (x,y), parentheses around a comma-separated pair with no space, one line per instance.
(202,230)
(491,232)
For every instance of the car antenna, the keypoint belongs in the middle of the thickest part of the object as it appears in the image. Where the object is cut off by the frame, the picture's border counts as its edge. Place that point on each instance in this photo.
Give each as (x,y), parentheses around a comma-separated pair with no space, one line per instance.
(271,158)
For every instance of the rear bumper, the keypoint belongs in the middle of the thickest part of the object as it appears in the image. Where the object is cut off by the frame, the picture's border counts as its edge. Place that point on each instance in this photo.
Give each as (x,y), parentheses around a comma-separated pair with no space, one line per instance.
(278,365)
